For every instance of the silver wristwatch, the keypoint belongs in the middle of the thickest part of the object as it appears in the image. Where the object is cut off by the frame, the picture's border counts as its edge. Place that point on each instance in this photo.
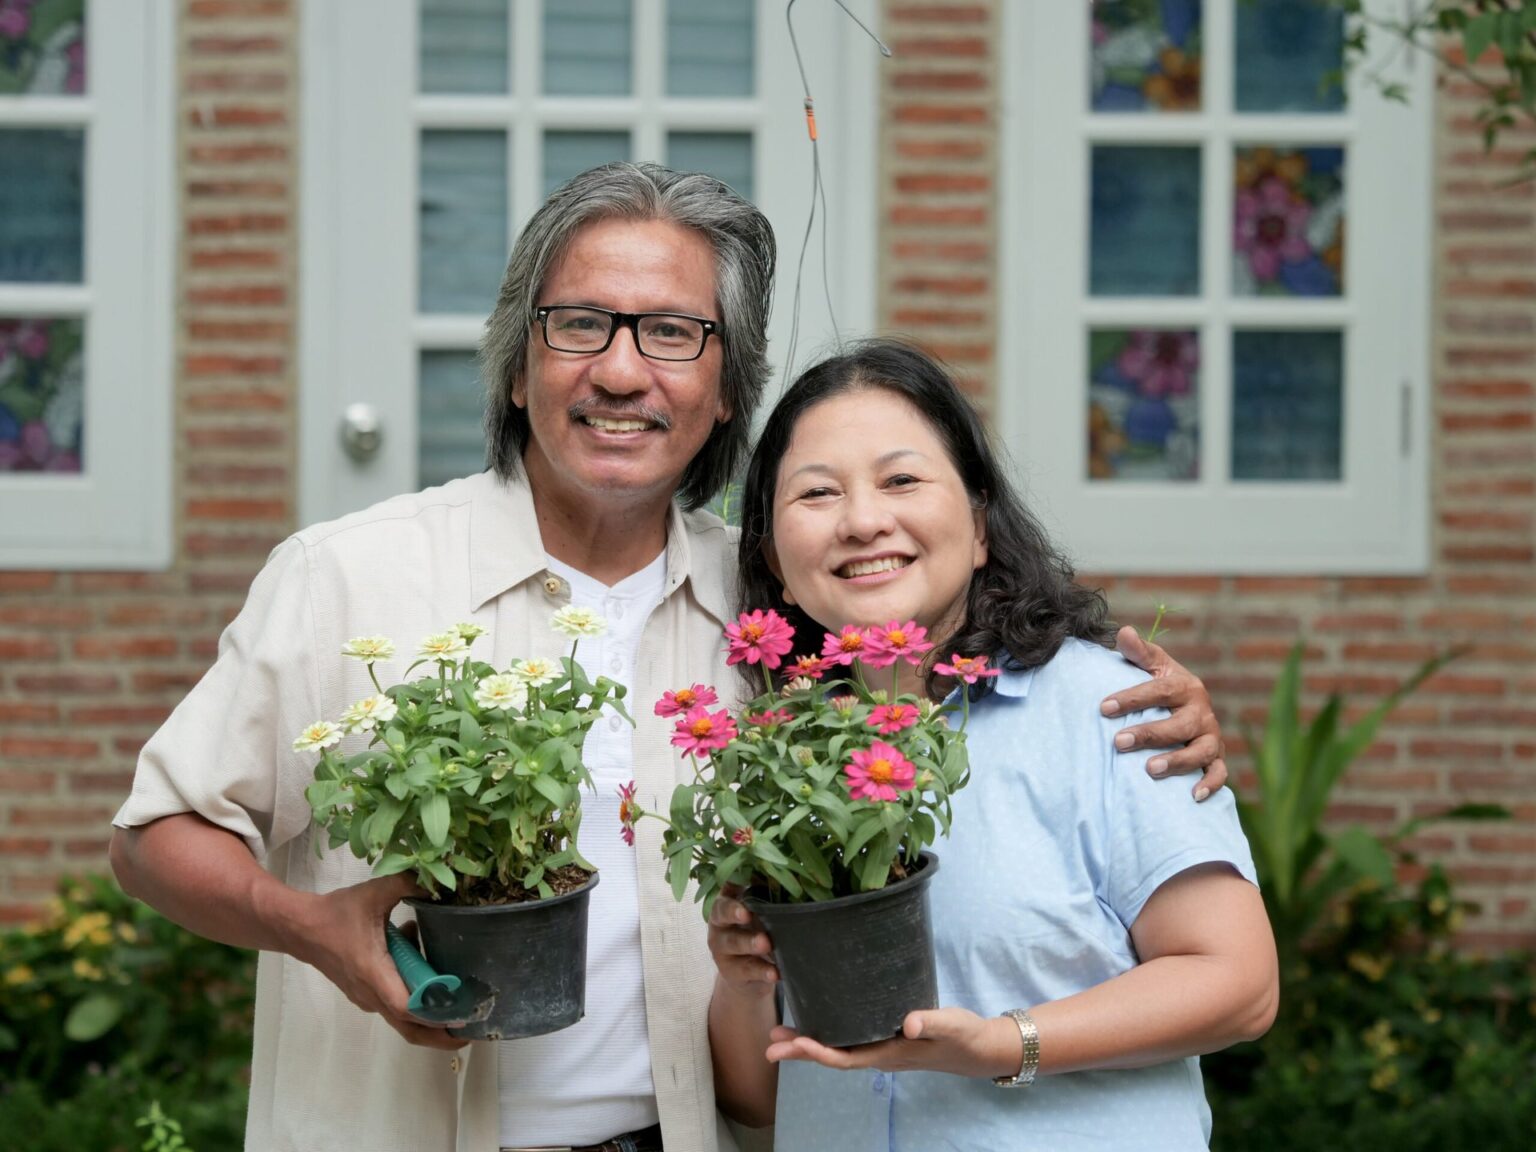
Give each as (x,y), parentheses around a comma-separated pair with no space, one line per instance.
(1030,1035)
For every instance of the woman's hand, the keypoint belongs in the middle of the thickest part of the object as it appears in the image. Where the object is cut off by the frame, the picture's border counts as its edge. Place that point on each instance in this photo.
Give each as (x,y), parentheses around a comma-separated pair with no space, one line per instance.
(740,947)
(1193,723)
(953,1040)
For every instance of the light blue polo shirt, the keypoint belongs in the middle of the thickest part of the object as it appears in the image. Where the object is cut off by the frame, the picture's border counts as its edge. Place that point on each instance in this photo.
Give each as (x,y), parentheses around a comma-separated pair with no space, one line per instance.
(1058,841)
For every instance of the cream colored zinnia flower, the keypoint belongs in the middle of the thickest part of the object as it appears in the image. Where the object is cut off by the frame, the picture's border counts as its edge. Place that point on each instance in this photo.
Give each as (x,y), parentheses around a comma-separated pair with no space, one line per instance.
(321,734)
(577,622)
(502,690)
(536,671)
(369,649)
(447,645)
(369,713)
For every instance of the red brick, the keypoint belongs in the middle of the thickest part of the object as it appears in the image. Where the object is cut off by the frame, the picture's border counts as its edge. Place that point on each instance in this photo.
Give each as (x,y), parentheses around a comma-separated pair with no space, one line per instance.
(943,285)
(1496,717)
(1358,622)
(257,152)
(88,583)
(1485,585)
(1289,585)
(109,783)
(208,364)
(25,713)
(58,816)
(1487,421)
(232,81)
(939,81)
(139,615)
(1271,650)
(224,510)
(1463,486)
(28,648)
(1503,842)
(930,216)
(969,47)
(1415,653)
(140,715)
(229,544)
(24,846)
(1492,782)
(938,14)
(130,647)
(1509,288)
(240,331)
(151,681)
(46,615)
(1451,684)
(242,475)
(1486,388)
(1457,750)
(1489,553)
(34,783)
(237,437)
(70,684)
(93,849)
(970,251)
(237,224)
(236,116)
(27,581)
(237,189)
(239,295)
(236,9)
(46,748)
(1349,683)
(964,148)
(940,114)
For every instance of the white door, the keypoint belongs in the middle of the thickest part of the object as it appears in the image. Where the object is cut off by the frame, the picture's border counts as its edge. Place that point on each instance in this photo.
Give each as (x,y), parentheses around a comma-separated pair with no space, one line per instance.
(433,130)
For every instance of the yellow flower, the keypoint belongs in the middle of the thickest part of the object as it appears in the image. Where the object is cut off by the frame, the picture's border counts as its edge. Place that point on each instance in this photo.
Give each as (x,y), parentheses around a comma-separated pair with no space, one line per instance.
(127,932)
(20,974)
(88,928)
(1384,1077)
(1373,968)
(84,969)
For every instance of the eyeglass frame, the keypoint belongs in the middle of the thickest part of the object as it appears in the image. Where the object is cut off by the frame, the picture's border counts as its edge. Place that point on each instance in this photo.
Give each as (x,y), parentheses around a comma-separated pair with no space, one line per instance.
(630,320)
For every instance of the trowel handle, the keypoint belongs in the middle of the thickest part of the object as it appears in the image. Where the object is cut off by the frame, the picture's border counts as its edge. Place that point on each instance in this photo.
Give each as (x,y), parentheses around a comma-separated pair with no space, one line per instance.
(412,966)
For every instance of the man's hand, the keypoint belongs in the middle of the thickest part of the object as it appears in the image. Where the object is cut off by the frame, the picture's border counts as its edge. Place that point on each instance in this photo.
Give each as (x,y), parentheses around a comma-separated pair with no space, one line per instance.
(740,947)
(344,938)
(1193,723)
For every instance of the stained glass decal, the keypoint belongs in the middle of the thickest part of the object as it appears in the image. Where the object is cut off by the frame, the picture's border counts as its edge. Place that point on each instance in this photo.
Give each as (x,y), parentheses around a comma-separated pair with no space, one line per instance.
(709,48)
(450,407)
(568,153)
(462,217)
(42,47)
(42,395)
(1287,405)
(1145,223)
(1145,55)
(1288,222)
(1290,56)
(588,47)
(42,174)
(464,46)
(1143,404)
(726,156)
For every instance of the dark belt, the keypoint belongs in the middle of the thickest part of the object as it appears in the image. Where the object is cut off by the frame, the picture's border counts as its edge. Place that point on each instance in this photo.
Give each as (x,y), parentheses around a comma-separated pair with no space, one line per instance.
(640,1140)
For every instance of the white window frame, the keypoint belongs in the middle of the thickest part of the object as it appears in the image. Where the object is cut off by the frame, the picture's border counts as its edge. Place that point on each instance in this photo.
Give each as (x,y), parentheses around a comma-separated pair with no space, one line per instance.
(116,513)
(362,333)
(1375,520)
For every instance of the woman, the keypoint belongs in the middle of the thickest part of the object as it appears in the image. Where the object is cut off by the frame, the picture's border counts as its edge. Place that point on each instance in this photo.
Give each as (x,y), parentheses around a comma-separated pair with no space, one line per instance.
(1123,920)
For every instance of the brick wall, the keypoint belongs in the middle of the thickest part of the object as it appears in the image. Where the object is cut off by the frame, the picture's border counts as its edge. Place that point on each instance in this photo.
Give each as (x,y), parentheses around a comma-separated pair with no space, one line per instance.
(91,663)
(1470,733)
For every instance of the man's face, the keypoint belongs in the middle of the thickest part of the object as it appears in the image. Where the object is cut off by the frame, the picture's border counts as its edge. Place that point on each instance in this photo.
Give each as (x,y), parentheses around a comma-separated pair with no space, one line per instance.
(619,426)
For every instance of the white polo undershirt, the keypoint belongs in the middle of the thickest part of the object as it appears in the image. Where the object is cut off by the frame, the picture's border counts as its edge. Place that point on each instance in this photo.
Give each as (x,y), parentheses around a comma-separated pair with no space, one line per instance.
(592,1081)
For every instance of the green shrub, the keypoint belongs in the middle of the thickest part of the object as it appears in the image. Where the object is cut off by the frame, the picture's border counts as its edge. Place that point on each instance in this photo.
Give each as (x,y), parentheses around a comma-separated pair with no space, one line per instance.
(105,1007)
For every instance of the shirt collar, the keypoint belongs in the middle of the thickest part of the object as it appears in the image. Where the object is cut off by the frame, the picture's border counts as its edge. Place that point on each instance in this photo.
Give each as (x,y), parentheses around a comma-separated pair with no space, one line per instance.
(505,547)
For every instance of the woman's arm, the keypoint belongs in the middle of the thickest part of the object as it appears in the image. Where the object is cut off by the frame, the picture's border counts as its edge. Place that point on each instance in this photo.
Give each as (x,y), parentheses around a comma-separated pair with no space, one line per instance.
(1207,979)
(742,1013)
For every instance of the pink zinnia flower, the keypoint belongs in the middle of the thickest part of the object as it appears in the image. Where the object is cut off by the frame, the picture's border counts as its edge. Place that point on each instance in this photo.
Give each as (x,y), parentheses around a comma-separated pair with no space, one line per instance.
(884,646)
(967,668)
(888,718)
(704,731)
(742,836)
(676,703)
(759,636)
(879,773)
(846,646)
(811,667)
(629,812)
(770,719)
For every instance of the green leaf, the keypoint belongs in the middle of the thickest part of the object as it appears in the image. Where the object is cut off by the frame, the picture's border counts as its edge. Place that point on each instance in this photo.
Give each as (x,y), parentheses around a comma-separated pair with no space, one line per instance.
(1478,35)
(434,818)
(1365,854)
(551,789)
(441,873)
(93,1017)
(393,862)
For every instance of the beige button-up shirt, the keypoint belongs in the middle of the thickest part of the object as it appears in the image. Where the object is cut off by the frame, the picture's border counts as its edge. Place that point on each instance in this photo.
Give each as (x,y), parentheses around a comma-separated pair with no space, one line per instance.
(326,1075)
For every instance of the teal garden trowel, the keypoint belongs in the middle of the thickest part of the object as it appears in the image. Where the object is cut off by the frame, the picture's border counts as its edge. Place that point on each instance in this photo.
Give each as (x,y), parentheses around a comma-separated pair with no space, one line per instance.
(437,999)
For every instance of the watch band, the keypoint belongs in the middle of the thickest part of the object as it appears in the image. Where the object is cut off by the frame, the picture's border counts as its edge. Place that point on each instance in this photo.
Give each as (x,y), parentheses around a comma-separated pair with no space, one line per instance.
(1030,1035)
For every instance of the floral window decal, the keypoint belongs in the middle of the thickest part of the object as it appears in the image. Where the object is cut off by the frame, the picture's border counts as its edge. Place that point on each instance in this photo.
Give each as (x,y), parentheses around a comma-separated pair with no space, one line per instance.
(1143,404)
(1145,55)
(1288,222)
(42,47)
(41,395)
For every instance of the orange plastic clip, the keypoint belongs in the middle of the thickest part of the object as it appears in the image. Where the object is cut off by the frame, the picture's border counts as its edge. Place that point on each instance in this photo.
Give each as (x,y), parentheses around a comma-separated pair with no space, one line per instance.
(810,118)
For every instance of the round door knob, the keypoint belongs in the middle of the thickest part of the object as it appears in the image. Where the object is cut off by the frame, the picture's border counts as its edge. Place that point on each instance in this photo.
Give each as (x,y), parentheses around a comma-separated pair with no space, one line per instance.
(362,431)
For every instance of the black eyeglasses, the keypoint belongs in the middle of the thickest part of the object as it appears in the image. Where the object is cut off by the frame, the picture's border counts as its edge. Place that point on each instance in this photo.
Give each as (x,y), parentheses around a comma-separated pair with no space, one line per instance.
(659,335)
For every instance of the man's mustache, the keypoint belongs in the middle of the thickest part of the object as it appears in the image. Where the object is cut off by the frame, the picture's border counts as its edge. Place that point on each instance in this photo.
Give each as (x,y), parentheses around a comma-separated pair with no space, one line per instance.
(618,410)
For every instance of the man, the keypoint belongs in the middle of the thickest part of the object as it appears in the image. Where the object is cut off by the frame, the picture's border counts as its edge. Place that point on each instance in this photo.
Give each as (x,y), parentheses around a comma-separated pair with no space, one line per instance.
(598,444)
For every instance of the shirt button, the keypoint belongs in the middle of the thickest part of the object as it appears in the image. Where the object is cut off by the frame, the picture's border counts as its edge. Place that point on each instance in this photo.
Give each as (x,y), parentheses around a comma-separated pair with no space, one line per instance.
(553,585)
(453,1065)
(616,665)
(879,1083)
(618,610)
(614,722)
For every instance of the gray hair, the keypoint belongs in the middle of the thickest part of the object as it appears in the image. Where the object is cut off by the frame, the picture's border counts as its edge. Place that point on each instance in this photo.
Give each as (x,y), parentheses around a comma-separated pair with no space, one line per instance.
(743,243)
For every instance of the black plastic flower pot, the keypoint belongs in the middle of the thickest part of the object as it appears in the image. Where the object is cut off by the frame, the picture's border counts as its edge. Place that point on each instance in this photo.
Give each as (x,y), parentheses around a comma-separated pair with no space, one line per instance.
(854,967)
(532,955)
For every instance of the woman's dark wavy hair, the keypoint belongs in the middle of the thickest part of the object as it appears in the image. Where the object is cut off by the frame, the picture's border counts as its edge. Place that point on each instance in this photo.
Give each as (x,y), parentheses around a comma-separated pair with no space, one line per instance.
(1022,601)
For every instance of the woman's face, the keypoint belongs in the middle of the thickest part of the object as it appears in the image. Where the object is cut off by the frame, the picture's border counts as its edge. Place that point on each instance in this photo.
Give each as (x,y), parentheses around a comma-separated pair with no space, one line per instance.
(871,521)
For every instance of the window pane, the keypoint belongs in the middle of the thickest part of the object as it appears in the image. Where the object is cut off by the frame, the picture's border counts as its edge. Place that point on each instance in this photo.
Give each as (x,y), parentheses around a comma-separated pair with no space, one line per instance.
(709,48)
(1287,405)
(42,395)
(588,47)
(726,156)
(464,45)
(1290,56)
(463,220)
(1288,222)
(42,205)
(1143,404)
(1146,55)
(450,407)
(567,154)
(1145,226)
(42,48)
